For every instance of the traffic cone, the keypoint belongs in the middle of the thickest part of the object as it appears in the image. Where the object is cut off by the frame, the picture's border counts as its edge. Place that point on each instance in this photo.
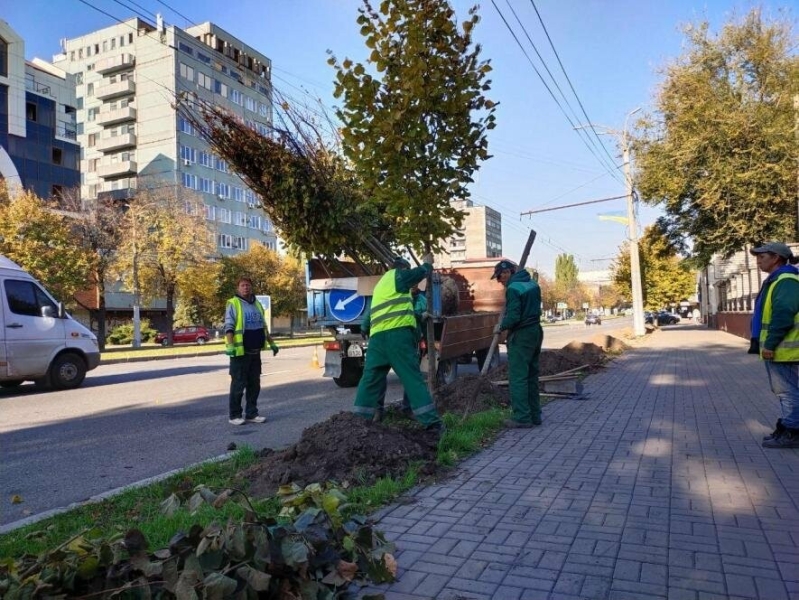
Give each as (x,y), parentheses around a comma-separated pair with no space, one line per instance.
(315,360)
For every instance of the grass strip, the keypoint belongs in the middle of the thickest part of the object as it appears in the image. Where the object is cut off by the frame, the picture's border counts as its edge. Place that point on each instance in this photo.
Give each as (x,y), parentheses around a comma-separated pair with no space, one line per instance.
(141,507)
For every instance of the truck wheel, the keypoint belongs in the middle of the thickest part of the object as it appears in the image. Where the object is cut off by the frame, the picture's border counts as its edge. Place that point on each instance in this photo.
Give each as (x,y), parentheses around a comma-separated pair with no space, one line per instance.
(14,383)
(447,371)
(67,371)
(351,373)
(481,358)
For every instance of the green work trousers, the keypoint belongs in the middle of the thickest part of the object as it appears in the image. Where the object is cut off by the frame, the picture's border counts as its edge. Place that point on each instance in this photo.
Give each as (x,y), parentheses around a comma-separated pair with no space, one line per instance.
(394,349)
(524,350)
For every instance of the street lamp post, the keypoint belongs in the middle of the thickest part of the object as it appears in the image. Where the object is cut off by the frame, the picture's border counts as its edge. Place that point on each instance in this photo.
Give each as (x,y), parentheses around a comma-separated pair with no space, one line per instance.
(136,291)
(639,327)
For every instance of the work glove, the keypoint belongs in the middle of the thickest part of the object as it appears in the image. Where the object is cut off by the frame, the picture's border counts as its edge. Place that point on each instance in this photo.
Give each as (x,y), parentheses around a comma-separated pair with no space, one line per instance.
(754,346)
(274,348)
(230,350)
(425,315)
(497,329)
(428,258)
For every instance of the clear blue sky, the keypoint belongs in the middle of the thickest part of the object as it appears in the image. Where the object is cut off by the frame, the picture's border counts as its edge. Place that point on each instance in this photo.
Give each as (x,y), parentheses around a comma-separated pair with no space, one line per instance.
(612,51)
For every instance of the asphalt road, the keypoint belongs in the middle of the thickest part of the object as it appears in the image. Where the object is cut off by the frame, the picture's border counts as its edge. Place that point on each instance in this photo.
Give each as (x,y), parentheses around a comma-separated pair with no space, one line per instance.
(133,421)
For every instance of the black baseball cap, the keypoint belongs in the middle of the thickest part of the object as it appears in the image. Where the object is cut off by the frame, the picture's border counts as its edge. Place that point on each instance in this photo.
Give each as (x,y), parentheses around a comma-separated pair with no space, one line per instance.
(501,266)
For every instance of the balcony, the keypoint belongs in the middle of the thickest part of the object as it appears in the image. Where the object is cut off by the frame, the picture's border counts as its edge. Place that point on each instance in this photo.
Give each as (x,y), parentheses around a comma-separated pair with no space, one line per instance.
(115,90)
(115,63)
(117,142)
(120,115)
(117,169)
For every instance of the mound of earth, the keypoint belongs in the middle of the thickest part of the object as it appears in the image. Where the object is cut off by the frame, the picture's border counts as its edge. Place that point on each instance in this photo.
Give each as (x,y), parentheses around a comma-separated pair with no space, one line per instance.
(346,449)
(459,396)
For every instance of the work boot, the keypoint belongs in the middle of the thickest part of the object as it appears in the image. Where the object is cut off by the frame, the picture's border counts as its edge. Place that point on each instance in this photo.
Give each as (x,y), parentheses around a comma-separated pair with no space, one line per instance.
(788,439)
(779,429)
(439,428)
(379,413)
(511,424)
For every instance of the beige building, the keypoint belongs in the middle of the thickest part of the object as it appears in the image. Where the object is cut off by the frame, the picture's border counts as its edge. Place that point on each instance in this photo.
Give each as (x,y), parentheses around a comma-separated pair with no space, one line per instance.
(128,76)
(480,236)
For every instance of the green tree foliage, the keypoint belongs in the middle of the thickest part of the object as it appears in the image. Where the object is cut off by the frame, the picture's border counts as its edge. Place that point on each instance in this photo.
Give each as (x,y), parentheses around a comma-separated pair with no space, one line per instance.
(199,300)
(720,153)
(665,277)
(281,278)
(43,242)
(165,232)
(410,112)
(566,271)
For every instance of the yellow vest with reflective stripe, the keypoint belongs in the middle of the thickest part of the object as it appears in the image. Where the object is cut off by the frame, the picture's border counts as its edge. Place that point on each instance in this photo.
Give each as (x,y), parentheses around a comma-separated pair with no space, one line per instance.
(788,350)
(390,308)
(238,332)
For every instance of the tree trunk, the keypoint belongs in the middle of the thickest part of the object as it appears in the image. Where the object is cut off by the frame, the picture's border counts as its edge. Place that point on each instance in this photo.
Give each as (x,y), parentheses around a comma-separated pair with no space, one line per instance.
(170,312)
(101,311)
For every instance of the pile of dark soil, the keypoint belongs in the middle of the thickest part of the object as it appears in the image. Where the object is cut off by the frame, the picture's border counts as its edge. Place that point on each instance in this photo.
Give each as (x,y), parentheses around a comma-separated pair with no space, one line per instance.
(349,449)
(346,449)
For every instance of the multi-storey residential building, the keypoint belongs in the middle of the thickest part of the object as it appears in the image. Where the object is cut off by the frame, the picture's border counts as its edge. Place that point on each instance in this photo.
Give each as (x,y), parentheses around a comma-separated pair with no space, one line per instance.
(128,77)
(38,146)
(480,235)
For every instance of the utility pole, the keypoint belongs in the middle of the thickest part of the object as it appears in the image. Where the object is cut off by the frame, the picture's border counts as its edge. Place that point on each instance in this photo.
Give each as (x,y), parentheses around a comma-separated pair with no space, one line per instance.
(136,290)
(635,262)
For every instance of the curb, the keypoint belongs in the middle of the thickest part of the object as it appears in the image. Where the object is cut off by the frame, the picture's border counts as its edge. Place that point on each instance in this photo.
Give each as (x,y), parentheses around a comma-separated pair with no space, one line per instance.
(9,527)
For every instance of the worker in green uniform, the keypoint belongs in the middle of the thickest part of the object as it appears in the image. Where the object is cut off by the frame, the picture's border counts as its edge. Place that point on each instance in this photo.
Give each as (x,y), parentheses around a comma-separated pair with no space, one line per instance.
(522,321)
(393,345)
(420,312)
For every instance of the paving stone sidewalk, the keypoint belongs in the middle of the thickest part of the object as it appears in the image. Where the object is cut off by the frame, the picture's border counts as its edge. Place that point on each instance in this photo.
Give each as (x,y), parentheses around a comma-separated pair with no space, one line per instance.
(653,487)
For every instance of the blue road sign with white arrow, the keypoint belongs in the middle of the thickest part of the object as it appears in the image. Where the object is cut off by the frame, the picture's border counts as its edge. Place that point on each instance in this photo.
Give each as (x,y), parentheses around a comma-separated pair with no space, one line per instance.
(345,305)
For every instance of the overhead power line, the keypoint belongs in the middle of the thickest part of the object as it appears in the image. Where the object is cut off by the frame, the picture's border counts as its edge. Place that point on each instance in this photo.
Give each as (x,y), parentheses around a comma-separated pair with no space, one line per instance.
(541,210)
(568,79)
(574,126)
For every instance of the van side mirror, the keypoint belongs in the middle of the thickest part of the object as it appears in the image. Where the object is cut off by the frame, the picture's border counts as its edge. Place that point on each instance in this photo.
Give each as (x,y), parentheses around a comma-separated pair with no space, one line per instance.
(62,313)
(48,312)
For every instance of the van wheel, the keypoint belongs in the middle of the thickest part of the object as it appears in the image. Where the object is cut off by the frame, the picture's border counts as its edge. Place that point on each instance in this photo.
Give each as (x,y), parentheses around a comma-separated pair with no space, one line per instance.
(14,383)
(67,371)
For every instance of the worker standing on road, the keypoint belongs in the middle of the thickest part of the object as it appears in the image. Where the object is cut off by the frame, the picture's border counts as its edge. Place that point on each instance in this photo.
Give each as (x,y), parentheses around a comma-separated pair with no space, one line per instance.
(246,334)
(522,321)
(393,345)
(775,335)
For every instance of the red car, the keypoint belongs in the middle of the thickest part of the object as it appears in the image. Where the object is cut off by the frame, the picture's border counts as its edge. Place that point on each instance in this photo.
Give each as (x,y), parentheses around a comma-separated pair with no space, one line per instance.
(195,334)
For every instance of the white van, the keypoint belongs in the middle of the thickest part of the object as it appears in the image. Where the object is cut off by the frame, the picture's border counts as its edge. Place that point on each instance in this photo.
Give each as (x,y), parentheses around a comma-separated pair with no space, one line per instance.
(39,341)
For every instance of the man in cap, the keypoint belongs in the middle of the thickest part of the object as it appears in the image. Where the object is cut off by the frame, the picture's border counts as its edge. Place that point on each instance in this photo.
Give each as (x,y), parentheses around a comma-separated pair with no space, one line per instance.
(775,336)
(522,321)
(393,344)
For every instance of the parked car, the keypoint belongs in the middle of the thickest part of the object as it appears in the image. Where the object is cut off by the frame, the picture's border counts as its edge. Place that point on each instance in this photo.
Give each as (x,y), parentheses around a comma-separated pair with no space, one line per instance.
(552,319)
(593,320)
(195,334)
(662,318)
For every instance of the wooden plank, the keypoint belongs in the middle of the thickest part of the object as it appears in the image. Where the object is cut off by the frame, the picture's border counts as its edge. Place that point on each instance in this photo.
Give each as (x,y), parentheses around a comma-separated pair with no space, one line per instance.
(464,334)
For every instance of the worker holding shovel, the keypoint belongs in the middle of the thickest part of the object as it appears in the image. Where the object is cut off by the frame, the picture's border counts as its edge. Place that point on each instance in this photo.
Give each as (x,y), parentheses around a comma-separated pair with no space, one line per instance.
(522,321)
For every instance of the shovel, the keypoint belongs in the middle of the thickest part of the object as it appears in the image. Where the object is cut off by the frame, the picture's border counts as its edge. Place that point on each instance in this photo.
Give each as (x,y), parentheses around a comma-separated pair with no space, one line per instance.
(495,341)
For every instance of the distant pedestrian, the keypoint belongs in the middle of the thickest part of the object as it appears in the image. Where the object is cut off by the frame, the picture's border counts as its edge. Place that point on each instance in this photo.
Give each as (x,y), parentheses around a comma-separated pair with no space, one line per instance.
(775,336)
(697,316)
(522,321)
(393,345)
(246,334)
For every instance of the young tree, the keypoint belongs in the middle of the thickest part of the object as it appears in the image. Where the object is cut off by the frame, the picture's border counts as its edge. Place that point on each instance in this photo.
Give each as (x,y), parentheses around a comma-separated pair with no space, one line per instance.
(415,115)
(566,271)
(97,224)
(665,277)
(43,242)
(720,153)
(164,233)
(198,295)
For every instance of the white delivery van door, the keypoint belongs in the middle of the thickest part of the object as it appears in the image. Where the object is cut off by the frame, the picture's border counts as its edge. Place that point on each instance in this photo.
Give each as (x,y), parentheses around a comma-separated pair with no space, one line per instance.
(32,328)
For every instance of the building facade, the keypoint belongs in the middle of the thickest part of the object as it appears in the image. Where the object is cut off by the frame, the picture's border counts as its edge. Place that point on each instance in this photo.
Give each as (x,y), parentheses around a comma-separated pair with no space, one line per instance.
(39,149)
(128,77)
(480,235)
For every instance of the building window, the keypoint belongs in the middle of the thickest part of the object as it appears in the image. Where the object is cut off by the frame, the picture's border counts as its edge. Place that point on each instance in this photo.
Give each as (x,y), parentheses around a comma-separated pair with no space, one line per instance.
(57,156)
(92,113)
(92,165)
(185,48)
(186,72)
(205,81)
(113,43)
(189,181)
(206,185)
(90,89)
(210,213)
(130,38)
(225,241)
(92,140)
(30,111)
(185,126)
(205,159)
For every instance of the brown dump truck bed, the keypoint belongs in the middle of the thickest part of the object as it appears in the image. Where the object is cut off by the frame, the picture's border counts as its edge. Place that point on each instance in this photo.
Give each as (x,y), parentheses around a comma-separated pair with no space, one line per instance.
(464,334)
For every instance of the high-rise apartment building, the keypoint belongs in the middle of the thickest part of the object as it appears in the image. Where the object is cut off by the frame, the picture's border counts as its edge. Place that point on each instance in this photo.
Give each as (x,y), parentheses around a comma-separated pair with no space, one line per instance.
(480,235)
(128,77)
(38,146)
